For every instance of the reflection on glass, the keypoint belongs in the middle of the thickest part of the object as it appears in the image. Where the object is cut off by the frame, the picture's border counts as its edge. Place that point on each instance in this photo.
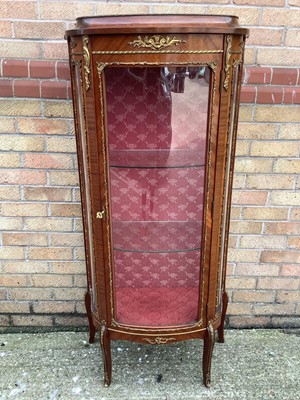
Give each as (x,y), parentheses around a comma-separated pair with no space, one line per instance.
(157,132)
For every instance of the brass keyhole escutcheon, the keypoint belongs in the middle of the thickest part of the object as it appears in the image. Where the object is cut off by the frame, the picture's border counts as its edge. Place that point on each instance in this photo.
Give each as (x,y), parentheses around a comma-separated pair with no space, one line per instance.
(100,214)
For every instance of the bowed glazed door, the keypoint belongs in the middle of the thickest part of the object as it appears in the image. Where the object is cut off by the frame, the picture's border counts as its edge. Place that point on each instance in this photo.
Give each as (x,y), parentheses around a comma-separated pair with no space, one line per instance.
(157,172)
(157,122)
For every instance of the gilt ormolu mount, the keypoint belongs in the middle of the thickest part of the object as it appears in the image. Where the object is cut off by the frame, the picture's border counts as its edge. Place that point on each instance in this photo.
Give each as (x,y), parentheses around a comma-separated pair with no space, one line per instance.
(156,105)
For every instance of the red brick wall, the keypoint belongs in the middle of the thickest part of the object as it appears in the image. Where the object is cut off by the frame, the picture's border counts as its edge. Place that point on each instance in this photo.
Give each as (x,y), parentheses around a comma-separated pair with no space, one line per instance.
(42,272)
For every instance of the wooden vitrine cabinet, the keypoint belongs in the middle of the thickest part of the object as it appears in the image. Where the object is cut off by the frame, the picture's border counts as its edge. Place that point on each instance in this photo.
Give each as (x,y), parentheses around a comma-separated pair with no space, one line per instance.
(156,105)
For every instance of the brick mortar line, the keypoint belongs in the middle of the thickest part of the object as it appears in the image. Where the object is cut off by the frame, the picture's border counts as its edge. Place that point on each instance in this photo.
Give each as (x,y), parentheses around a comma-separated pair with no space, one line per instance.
(270,85)
(61,217)
(30,79)
(73,313)
(40,202)
(39,8)
(22,152)
(12,99)
(24,186)
(284,93)
(43,216)
(264,122)
(34,40)
(283,37)
(298,77)
(43,233)
(43,117)
(276,47)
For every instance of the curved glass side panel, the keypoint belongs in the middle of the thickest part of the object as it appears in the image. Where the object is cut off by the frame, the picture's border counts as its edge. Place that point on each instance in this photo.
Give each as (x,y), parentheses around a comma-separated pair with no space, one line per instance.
(227,182)
(157,121)
(86,186)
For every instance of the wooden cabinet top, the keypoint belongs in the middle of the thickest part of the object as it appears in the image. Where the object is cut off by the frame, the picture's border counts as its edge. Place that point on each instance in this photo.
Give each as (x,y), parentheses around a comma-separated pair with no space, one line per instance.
(226,24)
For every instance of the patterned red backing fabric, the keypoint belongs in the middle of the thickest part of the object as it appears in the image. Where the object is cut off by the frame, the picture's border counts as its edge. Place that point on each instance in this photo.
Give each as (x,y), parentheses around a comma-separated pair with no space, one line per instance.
(157,306)
(157,121)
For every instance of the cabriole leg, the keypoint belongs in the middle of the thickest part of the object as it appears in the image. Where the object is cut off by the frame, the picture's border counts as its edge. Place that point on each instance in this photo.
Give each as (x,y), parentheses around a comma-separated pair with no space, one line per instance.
(92,328)
(209,341)
(106,353)
(224,309)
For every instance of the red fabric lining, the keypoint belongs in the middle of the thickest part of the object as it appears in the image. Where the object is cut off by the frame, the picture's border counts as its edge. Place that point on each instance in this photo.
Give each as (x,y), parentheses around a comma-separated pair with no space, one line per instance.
(157,306)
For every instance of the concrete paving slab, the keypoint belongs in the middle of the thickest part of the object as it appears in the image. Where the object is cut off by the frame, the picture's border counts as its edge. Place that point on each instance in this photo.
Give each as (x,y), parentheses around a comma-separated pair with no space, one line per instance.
(251,364)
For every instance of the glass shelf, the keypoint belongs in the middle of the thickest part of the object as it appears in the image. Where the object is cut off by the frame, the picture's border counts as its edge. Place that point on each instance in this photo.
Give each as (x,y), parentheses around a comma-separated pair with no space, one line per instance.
(157,236)
(157,158)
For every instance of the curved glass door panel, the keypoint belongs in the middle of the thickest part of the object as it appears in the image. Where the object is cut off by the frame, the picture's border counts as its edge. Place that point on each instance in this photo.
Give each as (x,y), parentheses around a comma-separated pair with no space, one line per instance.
(157,121)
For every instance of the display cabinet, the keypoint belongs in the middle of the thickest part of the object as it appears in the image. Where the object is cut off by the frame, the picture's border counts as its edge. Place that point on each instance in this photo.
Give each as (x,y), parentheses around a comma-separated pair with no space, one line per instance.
(156,105)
